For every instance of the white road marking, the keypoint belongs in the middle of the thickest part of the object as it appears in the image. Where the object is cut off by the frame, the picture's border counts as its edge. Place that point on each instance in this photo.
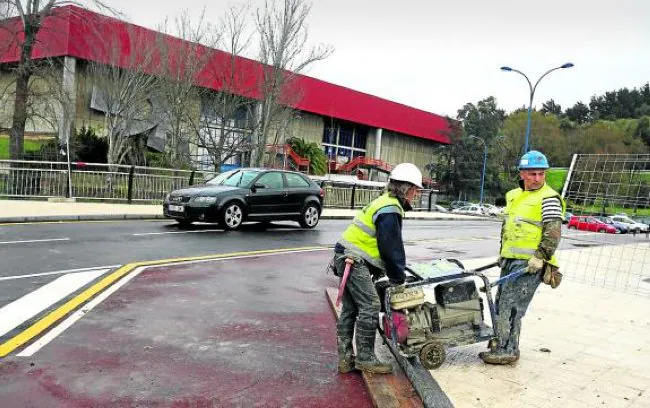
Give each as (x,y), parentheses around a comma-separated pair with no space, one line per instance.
(70,320)
(177,232)
(28,306)
(62,272)
(33,240)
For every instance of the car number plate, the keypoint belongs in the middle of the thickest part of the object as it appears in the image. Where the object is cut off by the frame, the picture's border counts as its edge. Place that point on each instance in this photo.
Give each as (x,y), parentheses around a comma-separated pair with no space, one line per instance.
(176,208)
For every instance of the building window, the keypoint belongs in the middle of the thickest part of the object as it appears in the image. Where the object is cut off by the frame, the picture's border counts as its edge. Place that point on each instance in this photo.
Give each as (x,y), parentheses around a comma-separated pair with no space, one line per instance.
(344,141)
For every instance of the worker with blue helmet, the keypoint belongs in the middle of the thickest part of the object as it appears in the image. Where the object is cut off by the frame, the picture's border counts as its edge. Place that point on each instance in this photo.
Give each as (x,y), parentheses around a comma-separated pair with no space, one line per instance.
(530,235)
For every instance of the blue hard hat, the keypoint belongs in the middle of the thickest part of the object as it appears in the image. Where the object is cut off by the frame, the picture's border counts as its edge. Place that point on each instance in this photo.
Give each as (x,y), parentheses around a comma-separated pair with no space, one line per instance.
(533,160)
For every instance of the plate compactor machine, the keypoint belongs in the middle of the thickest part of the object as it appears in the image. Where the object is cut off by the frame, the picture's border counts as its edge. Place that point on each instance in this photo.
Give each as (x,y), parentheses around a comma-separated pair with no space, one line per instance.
(420,328)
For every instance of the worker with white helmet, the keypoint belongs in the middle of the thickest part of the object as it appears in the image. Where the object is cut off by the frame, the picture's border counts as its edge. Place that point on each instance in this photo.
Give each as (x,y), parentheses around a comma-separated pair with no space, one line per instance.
(530,235)
(373,245)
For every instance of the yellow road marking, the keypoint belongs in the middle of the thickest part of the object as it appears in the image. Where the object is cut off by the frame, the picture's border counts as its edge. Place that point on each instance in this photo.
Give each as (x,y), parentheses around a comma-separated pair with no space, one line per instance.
(54,316)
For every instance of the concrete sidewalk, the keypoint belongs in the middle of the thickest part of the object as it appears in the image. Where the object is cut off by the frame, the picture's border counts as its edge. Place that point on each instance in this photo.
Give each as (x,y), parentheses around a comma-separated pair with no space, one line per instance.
(18,211)
(582,346)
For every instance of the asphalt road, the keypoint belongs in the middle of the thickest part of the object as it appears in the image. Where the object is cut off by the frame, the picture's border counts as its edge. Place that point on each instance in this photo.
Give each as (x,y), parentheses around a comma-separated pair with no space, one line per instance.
(28,249)
(34,254)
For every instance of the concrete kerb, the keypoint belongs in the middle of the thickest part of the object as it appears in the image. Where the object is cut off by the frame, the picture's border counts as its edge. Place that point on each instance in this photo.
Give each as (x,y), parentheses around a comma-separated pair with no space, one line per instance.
(82,217)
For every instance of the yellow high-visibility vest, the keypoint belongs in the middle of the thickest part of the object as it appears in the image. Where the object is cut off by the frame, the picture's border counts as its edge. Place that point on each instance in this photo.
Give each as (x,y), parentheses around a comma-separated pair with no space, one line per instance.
(522,230)
(360,237)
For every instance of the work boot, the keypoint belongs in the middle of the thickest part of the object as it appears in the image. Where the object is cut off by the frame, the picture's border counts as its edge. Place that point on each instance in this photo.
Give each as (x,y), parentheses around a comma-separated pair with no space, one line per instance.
(493,357)
(366,359)
(346,355)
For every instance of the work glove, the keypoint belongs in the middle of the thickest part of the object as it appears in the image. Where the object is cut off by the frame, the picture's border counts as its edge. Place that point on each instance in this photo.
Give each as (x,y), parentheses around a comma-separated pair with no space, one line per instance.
(552,276)
(535,265)
(398,288)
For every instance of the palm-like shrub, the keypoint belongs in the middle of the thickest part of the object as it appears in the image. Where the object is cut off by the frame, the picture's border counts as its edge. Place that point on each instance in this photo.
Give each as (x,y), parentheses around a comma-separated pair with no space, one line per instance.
(311,151)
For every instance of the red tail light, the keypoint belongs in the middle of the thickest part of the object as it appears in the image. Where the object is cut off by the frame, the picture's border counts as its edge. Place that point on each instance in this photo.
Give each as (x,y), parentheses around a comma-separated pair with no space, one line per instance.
(322,193)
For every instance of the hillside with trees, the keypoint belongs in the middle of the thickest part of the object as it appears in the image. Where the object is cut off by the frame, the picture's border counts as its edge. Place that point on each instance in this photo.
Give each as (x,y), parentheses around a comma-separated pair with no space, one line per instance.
(615,122)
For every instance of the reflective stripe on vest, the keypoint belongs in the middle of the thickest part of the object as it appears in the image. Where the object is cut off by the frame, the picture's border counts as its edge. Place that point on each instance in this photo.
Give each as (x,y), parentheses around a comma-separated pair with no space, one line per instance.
(522,231)
(363,226)
(361,235)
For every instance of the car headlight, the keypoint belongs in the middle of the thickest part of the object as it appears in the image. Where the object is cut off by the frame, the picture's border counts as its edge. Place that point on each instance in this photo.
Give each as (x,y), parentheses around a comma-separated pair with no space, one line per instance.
(205,200)
(167,196)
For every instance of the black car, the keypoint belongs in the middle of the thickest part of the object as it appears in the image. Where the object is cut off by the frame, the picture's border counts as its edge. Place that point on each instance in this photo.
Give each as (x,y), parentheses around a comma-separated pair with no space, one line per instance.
(248,194)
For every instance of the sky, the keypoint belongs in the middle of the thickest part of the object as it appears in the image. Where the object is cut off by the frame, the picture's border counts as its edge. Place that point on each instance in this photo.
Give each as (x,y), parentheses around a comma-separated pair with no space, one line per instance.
(439,55)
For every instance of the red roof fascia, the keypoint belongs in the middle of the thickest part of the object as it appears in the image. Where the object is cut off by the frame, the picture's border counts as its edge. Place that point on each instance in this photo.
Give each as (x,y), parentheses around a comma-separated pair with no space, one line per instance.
(83,34)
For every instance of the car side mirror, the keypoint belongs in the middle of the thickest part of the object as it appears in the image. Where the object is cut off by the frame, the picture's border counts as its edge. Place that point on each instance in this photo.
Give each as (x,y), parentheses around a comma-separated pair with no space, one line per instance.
(258,185)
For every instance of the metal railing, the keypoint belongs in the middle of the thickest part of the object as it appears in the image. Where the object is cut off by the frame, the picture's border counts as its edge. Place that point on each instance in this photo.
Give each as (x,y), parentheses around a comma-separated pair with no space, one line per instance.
(346,195)
(93,181)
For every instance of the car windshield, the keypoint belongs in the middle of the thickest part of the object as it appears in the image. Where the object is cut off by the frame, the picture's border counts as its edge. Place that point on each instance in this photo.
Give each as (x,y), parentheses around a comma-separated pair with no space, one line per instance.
(234,178)
(219,178)
(241,178)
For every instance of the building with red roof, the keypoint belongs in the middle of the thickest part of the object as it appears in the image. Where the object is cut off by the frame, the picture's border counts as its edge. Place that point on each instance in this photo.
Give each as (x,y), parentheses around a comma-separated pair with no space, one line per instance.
(351,126)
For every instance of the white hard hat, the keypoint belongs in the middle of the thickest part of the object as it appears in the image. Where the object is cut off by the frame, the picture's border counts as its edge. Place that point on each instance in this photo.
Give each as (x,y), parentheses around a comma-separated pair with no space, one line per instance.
(408,172)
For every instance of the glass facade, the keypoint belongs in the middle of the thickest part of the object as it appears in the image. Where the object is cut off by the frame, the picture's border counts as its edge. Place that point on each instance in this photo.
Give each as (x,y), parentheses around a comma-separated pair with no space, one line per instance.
(344,142)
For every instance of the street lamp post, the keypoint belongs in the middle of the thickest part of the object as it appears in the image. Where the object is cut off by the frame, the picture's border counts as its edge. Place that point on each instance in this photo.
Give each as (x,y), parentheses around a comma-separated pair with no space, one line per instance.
(485,151)
(532,89)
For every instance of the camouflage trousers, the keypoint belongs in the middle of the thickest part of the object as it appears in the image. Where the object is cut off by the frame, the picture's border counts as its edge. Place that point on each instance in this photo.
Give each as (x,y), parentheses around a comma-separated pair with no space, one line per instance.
(360,302)
(513,298)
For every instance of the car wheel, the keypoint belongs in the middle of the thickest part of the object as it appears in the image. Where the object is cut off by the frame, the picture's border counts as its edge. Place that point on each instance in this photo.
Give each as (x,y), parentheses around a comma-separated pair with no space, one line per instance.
(602,230)
(310,216)
(573,227)
(636,230)
(232,216)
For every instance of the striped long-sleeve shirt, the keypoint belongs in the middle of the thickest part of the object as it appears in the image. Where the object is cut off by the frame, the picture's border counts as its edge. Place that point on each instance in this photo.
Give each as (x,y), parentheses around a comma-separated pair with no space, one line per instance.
(551,209)
(551,228)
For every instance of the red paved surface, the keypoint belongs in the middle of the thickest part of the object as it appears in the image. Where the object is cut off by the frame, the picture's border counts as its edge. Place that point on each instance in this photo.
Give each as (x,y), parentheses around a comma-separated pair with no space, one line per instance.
(234,333)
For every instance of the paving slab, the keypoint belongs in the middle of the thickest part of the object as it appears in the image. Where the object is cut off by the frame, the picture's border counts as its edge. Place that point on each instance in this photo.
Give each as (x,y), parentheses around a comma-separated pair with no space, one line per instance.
(581,346)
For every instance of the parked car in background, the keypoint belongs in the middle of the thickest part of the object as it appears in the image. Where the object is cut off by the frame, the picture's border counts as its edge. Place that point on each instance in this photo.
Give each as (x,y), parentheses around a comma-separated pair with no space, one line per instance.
(471,210)
(634,226)
(458,204)
(589,223)
(493,209)
(248,194)
(622,228)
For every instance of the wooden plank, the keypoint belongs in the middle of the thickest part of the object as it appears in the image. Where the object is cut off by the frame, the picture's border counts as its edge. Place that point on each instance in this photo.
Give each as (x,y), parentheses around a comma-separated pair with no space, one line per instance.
(386,390)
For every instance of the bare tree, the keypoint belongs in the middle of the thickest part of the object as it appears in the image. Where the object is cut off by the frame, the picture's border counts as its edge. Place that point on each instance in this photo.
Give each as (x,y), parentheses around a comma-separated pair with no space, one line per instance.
(23,30)
(124,89)
(283,51)
(227,120)
(182,62)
